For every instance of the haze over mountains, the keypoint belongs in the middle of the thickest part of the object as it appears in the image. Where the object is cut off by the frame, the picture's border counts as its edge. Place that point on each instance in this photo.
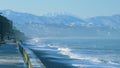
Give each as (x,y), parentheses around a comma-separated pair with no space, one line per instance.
(63,25)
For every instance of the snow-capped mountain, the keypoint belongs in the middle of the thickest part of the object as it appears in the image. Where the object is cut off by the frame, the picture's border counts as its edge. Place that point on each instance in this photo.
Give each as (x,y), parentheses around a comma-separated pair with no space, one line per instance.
(106,21)
(18,17)
(64,25)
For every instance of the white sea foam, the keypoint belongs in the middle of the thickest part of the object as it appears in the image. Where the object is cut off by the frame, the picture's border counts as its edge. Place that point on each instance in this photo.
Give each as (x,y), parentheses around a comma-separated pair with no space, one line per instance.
(64,49)
(36,39)
(53,46)
(67,51)
(110,62)
(94,60)
(80,65)
(91,66)
(36,42)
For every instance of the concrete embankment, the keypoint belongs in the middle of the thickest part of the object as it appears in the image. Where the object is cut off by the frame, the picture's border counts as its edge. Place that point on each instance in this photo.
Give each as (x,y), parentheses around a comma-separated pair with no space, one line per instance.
(10,56)
(30,58)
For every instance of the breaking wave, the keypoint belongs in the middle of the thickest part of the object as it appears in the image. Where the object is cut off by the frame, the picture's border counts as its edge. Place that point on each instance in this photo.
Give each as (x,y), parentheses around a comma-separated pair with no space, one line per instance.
(65,50)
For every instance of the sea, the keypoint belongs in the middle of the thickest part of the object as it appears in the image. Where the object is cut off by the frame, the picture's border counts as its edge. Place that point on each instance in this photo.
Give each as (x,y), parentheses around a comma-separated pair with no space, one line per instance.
(76,52)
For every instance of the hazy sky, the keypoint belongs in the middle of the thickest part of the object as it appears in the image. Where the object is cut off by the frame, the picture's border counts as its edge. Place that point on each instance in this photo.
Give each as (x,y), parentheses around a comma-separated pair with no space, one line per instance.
(81,8)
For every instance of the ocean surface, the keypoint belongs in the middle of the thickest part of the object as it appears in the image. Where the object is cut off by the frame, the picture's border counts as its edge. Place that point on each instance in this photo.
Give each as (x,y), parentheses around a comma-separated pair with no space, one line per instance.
(77,53)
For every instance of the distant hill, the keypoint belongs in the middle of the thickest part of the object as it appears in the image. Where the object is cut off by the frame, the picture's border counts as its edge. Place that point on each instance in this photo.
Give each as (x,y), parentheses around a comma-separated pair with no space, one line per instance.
(65,25)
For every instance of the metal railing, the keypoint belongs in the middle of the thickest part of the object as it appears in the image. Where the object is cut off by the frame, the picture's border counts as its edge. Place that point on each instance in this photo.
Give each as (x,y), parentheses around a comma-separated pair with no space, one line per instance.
(29,57)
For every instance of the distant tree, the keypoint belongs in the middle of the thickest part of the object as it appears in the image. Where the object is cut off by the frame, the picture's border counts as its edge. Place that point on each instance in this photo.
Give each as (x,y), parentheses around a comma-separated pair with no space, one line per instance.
(5,27)
(19,35)
(7,30)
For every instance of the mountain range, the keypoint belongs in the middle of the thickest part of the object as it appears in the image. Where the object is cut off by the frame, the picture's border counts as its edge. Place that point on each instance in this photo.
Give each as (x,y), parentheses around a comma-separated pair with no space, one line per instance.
(64,25)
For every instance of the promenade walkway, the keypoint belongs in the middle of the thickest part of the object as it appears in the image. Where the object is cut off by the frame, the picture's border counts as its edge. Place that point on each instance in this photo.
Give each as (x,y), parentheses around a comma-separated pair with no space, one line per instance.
(10,56)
